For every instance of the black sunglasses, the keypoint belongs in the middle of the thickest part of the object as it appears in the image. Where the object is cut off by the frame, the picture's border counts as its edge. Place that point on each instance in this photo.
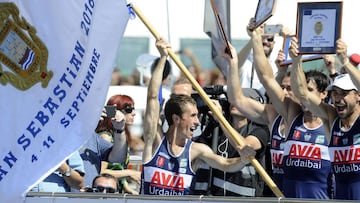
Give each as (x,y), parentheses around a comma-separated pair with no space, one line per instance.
(128,109)
(269,39)
(101,189)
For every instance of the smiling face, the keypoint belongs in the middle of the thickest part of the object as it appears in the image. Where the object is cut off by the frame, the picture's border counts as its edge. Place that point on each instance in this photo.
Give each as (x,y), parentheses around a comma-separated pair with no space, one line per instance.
(268,42)
(181,114)
(344,101)
(188,121)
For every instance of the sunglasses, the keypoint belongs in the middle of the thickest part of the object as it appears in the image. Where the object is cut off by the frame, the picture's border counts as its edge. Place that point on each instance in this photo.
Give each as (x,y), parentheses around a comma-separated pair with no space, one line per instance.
(101,189)
(128,109)
(269,39)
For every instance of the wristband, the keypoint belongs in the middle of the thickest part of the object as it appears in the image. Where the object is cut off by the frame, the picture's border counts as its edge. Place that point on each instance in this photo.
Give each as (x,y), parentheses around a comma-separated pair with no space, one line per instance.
(119,127)
(118,130)
(67,173)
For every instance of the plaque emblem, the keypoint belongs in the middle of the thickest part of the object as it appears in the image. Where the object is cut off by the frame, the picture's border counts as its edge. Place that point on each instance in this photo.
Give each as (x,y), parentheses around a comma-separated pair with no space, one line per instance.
(318,27)
(23,56)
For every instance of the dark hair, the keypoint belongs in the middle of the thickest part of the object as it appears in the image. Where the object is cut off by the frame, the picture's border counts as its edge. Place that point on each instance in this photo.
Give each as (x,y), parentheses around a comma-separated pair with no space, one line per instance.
(107,176)
(121,101)
(167,67)
(175,105)
(321,79)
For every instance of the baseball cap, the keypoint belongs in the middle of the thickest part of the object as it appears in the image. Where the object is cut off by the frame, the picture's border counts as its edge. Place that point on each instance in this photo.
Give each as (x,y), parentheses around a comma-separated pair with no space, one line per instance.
(342,81)
(143,64)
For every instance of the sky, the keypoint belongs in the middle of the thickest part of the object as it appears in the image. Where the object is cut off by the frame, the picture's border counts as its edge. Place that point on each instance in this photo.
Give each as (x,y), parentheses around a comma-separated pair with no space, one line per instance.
(175,19)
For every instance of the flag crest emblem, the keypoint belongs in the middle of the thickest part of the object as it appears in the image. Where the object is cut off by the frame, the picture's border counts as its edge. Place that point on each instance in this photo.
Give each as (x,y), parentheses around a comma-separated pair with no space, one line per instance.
(23,56)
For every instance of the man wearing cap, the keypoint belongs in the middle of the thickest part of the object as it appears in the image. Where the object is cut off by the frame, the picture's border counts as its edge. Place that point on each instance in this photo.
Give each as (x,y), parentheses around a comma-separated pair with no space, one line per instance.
(341,118)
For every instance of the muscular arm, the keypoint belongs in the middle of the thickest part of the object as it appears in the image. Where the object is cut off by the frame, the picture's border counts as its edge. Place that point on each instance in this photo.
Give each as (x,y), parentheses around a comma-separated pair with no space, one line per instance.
(252,109)
(205,154)
(152,112)
(284,106)
(310,100)
(341,52)
(243,54)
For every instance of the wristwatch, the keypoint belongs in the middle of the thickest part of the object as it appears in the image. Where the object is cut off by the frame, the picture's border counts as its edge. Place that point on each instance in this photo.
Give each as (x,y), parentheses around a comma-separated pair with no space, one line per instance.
(67,173)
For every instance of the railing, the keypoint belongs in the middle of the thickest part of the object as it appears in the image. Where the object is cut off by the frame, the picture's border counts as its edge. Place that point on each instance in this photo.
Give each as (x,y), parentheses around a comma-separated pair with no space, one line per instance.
(42,197)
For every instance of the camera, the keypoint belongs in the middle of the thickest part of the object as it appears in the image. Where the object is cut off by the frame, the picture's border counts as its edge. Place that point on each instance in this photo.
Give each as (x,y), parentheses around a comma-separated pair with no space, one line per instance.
(217,92)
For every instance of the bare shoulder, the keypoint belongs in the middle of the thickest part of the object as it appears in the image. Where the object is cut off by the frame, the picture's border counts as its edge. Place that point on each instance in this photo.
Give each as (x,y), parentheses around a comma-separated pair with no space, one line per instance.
(199,149)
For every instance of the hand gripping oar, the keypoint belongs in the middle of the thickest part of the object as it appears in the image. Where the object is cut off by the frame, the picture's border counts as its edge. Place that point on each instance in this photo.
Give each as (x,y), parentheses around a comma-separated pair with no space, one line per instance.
(234,135)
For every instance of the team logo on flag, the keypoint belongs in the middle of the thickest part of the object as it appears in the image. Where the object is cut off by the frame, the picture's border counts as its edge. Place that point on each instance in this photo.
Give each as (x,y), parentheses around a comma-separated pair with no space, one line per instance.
(23,56)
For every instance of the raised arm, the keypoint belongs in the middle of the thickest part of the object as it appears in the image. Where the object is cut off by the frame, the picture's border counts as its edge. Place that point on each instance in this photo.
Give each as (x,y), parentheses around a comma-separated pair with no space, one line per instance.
(300,88)
(152,112)
(341,52)
(243,54)
(252,109)
(265,72)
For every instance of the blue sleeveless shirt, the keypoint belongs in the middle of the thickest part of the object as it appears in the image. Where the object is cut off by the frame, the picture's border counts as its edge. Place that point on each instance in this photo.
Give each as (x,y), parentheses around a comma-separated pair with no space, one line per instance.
(166,174)
(277,152)
(307,163)
(345,156)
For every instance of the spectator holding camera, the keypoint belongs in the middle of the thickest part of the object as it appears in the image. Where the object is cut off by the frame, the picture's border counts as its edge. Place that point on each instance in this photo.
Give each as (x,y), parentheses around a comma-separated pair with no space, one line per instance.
(246,182)
(124,104)
(97,149)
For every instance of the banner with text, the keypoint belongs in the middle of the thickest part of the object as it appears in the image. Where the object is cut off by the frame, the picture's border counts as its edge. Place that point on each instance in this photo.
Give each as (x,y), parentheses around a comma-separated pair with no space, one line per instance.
(56,60)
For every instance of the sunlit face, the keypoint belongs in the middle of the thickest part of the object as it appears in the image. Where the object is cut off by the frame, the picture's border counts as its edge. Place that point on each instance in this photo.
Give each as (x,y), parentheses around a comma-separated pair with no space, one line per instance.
(268,44)
(129,112)
(344,101)
(105,184)
(285,85)
(189,120)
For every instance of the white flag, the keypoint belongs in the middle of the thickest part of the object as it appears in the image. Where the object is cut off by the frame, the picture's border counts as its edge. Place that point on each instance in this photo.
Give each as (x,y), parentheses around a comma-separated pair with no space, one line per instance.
(56,60)
(212,29)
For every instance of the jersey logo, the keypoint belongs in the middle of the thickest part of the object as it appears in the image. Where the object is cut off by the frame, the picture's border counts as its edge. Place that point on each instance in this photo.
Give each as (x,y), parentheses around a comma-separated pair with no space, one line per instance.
(277,159)
(310,151)
(167,180)
(160,162)
(320,139)
(347,155)
(307,137)
(356,139)
(345,141)
(297,135)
